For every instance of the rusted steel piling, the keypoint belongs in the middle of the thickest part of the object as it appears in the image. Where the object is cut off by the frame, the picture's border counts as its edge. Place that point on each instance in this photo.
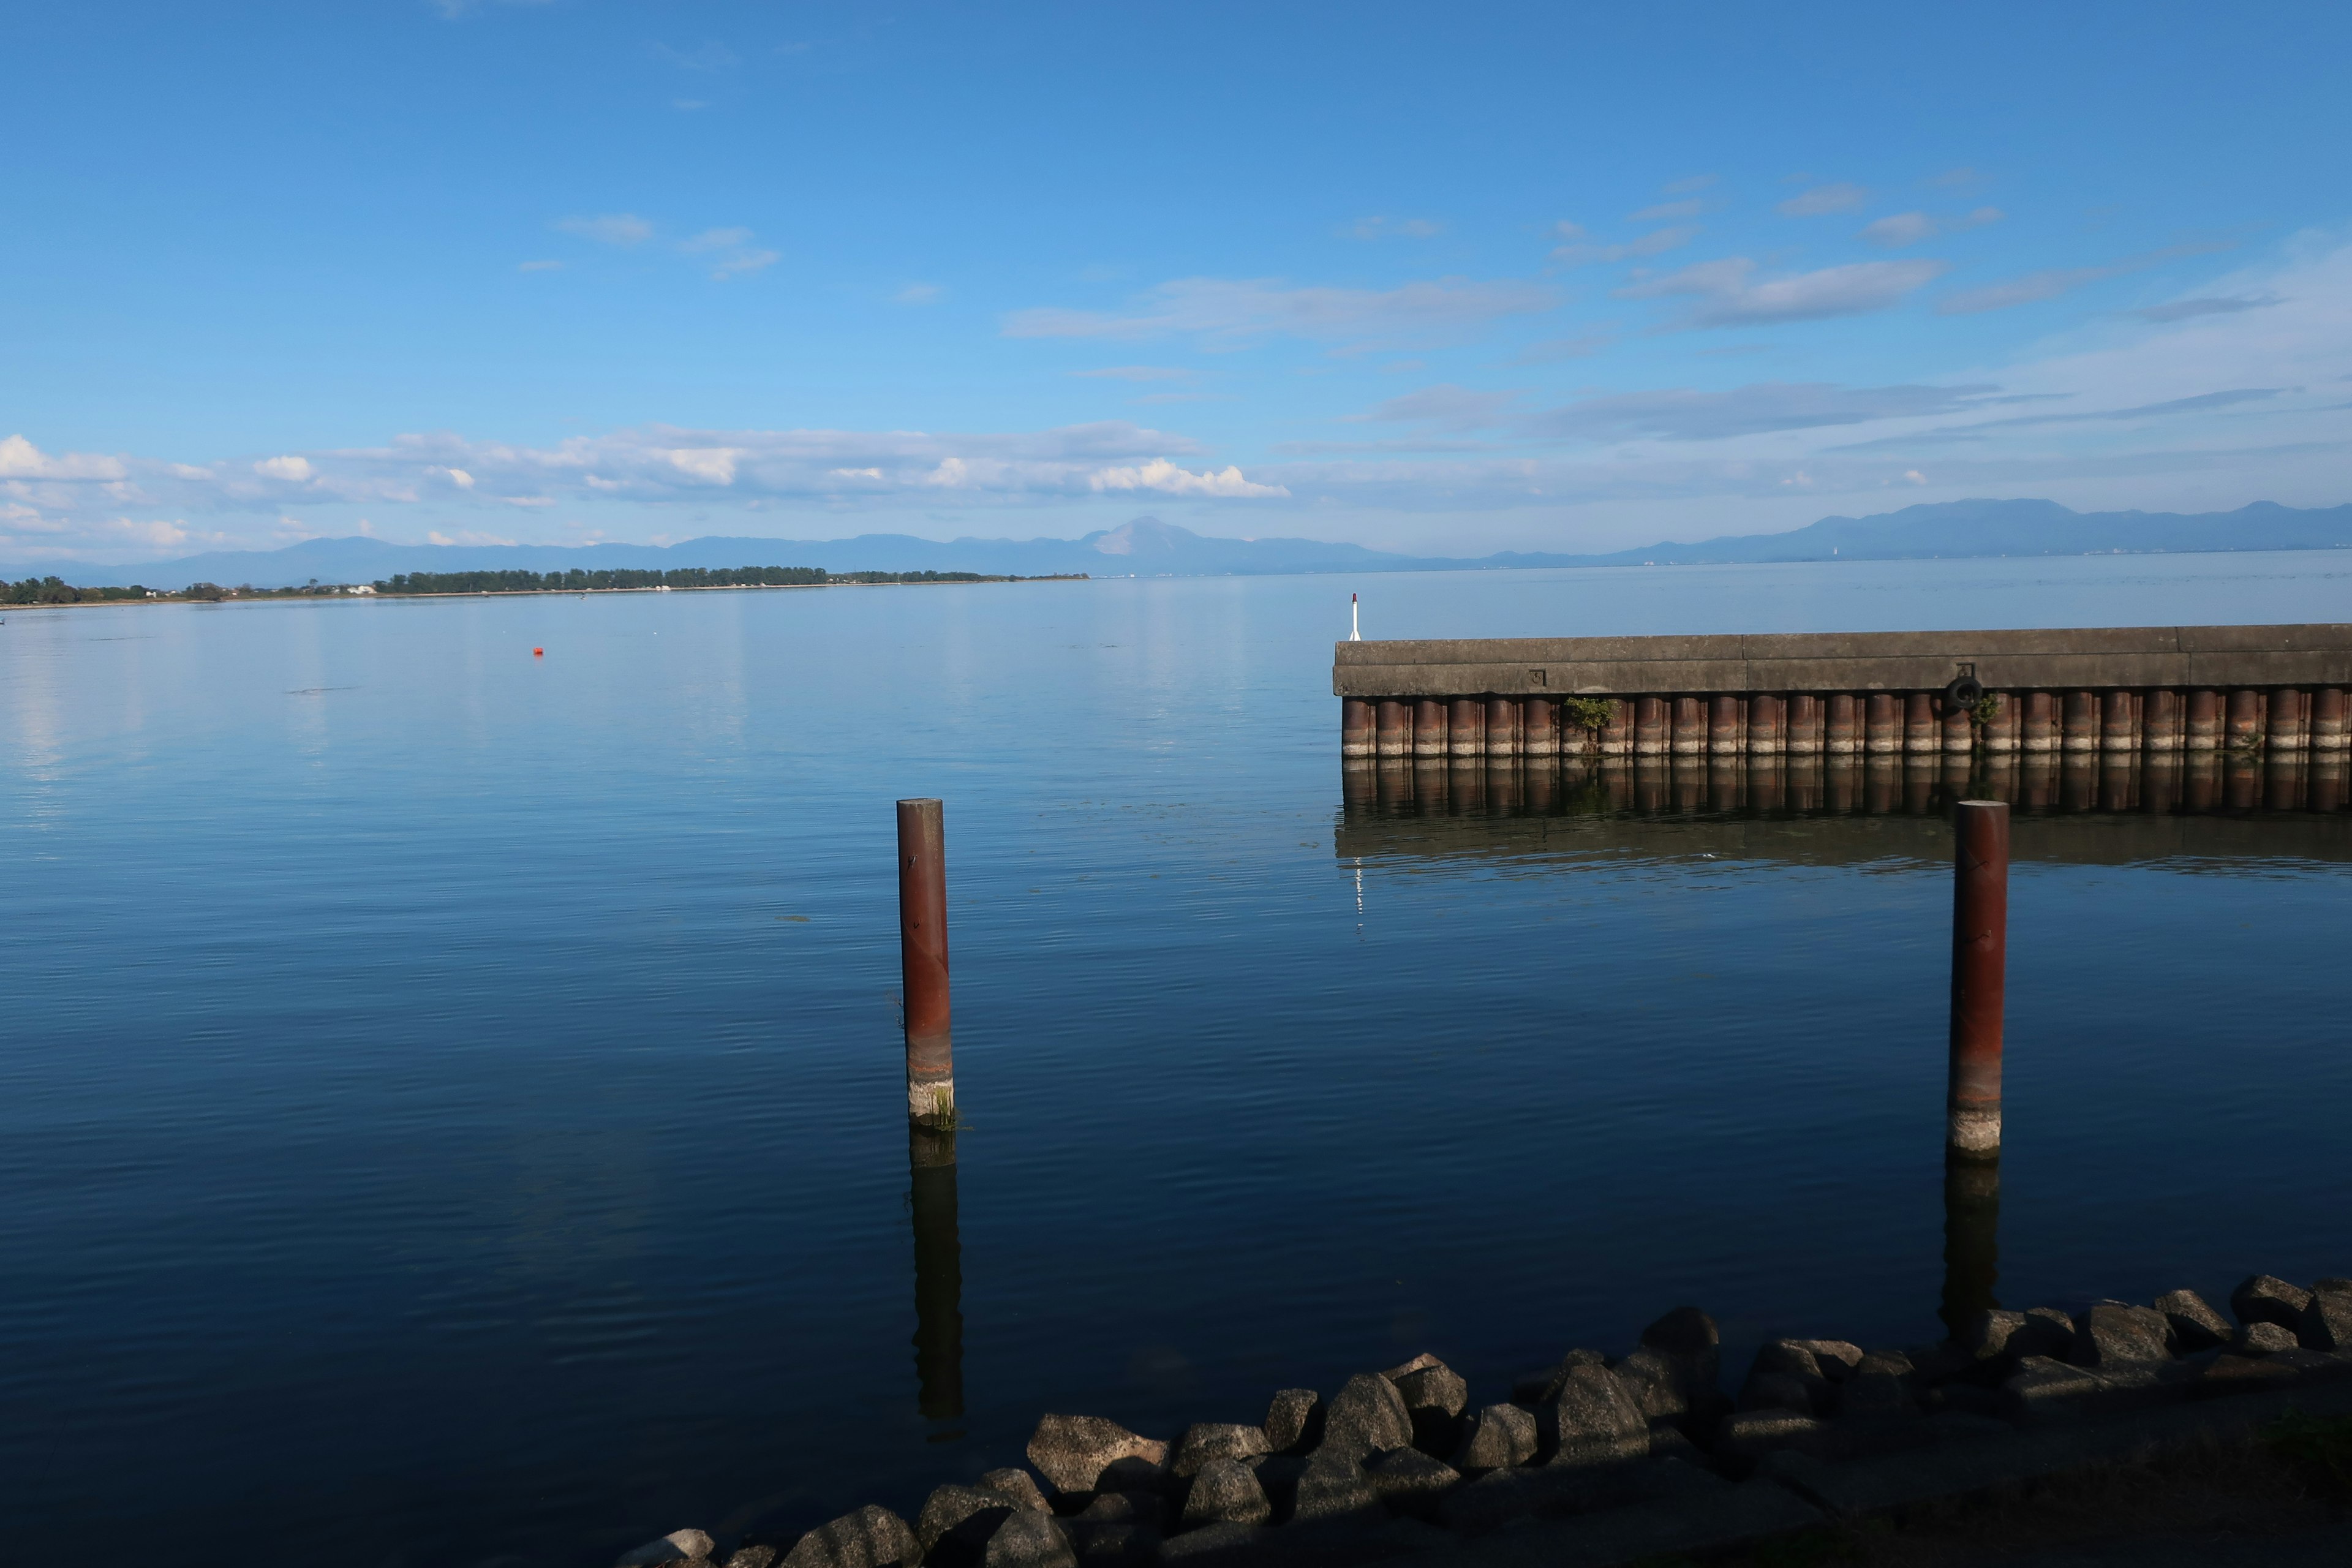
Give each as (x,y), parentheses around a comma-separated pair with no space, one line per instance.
(923,962)
(1979,963)
(2278,690)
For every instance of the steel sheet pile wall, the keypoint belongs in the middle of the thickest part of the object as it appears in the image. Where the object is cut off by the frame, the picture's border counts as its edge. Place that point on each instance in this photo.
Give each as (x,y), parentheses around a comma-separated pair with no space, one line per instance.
(2276,689)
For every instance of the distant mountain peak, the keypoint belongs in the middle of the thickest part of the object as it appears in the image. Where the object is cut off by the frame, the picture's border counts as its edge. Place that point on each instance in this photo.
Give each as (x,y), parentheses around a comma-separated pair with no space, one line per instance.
(1145,536)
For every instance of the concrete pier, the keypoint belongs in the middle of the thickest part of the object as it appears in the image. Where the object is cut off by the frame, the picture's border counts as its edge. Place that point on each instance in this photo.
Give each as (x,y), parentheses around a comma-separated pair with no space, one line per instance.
(2169,689)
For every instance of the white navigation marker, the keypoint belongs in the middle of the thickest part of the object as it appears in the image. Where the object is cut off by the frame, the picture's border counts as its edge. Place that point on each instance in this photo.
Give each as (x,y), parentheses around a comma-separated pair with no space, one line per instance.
(1355,626)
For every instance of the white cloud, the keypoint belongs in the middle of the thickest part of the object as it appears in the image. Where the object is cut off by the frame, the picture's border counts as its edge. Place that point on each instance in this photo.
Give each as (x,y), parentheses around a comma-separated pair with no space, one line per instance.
(1727,298)
(1665,210)
(1910,228)
(20,460)
(292,471)
(457,477)
(1822,200)
(716,239)
(1579,252)
(744,262)
(1686,414)
(1165,476)
(464,536)
(710,465)
(1900,229)
(1553,350)
(611,228)
(919,294)
(2183,310)
(1231,312)
(2053,281)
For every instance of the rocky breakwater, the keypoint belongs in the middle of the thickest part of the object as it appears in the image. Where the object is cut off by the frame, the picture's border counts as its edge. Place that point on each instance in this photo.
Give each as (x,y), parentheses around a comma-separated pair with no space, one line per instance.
(1639,1454)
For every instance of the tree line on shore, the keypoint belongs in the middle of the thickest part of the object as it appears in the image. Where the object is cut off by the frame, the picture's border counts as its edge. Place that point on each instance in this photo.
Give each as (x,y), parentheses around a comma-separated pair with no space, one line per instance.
(577,581)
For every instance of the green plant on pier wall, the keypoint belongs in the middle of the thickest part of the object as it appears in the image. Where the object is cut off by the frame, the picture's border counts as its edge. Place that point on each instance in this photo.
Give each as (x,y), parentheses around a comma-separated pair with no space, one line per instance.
(1589,713)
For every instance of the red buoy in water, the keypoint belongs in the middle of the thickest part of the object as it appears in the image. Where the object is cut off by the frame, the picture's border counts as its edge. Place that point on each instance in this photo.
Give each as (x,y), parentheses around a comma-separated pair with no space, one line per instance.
(539,653)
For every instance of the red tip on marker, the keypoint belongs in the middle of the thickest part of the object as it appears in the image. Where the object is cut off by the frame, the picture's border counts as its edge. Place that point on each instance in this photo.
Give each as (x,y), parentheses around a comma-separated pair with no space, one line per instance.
(539,653)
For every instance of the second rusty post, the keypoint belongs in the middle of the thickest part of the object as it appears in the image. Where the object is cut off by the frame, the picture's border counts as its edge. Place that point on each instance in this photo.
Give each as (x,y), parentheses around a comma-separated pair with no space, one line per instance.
(923,962)
(1980,961)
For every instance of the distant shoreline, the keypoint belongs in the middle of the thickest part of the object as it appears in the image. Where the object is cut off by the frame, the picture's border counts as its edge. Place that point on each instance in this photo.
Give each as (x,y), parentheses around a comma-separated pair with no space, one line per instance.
(342,592)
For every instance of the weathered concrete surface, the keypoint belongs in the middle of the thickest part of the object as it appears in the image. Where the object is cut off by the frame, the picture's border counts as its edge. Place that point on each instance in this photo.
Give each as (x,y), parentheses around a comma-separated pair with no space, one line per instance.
(2081,659)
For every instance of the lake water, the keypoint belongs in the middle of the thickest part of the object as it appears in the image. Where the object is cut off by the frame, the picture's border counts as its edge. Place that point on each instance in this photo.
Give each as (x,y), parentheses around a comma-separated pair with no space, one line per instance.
(450,1104)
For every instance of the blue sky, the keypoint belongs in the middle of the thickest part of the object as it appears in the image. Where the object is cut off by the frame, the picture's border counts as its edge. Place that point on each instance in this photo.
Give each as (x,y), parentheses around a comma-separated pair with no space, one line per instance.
(1448,280)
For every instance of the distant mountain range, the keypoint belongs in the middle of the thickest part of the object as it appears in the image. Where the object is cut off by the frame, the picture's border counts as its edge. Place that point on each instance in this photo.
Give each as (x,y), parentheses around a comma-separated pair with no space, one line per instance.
(1151,548)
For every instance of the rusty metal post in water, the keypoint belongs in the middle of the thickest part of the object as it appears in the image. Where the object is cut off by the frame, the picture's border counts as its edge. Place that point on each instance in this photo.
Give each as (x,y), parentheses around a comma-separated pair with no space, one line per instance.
(923,960)
(1980,961)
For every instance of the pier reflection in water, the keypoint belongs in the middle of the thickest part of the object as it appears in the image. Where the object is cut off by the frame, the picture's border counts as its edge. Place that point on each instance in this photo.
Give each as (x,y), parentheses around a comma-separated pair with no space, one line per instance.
(2085,808)
(938,1276)
(1971,1239)
(1846,785)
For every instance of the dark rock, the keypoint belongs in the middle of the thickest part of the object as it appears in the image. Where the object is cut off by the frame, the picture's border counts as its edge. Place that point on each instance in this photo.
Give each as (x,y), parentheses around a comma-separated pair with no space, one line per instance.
(956,1522)
(2194,1323)
(1226,1490)
(1140,1508)
(1028,1538)
(1015,1485)
(1436,1400)
(1294,1421)
(1668,1441)
(1537,1388)
(2043,1388)
(1835,1358)
(869,1538)
(1409,1479)
(2326,1323)
(2047,1332)
(1678,1370)
(2239,1374)
(1367,1415)
(752,1557)
(677,1546)
(1278,1474)
(2110,1333)
(1331,1484)
(2266,1299)
(1120,1543)
(1498,1437)
(1986,1336)
(1781,1391)
(1932,1366)
(2331,1282)
(1596,1418)
(1685,1331)
(2264,1337)
(1213,1543)
(1878,1388)
(1205,1441)
(1752,1434)
(1072,1452)
(1434,1397)
(1406,1369)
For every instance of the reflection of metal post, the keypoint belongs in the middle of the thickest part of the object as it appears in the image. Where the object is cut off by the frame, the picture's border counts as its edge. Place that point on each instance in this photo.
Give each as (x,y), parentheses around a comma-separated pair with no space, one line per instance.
(1979,963)
(923,960)
(1971,1239)
(938,1272)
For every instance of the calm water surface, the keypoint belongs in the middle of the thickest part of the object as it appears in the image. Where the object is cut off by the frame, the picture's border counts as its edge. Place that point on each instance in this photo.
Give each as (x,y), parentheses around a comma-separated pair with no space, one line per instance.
(450,1103)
